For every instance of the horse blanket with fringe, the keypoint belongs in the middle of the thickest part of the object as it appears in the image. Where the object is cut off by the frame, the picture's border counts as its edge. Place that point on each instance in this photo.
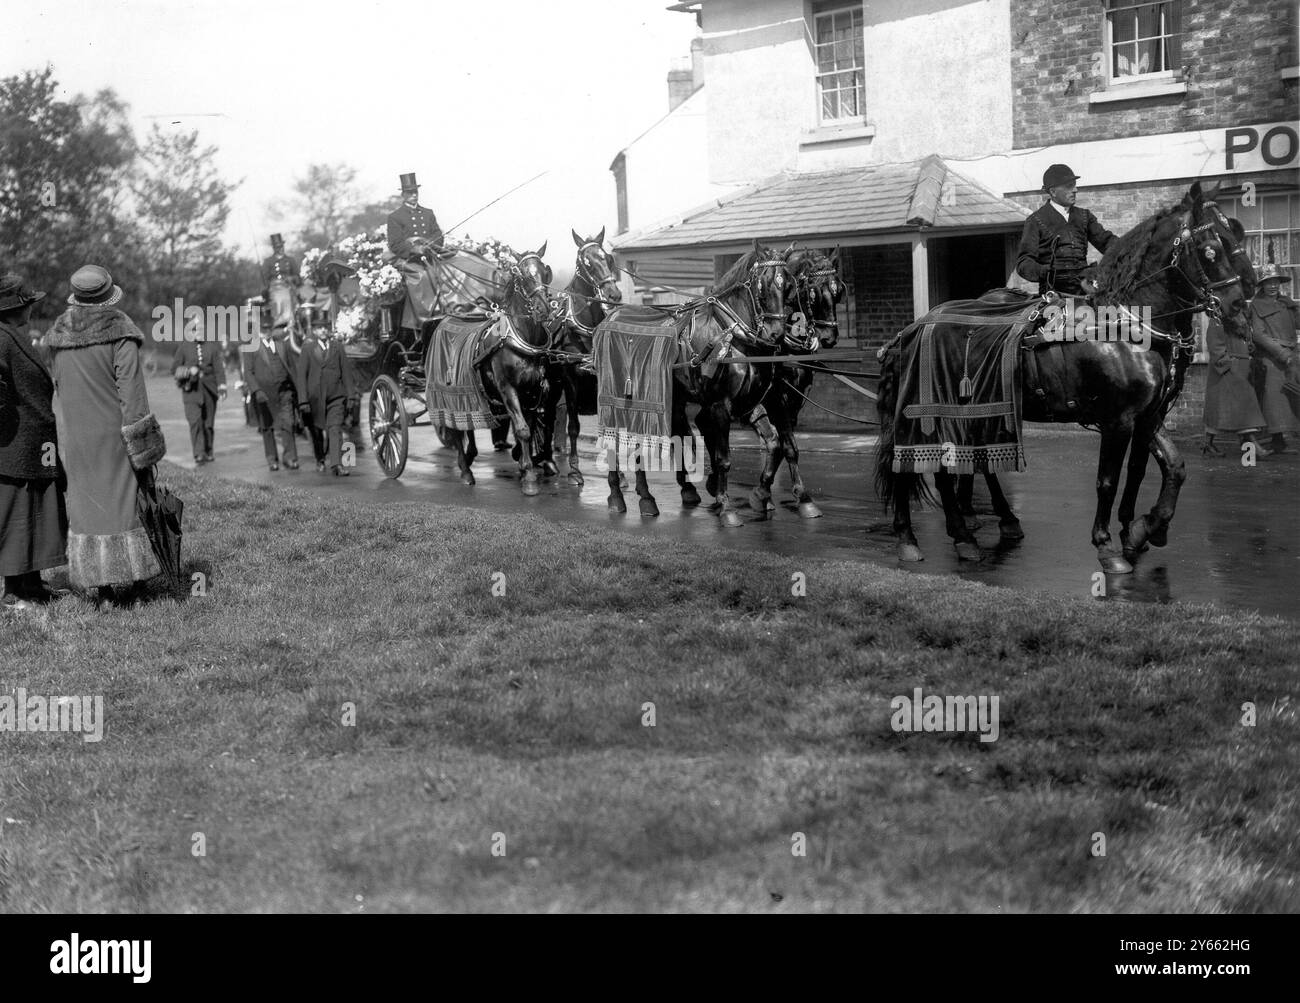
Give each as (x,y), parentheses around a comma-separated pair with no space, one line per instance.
(634,350)
(453,388)
(959,401)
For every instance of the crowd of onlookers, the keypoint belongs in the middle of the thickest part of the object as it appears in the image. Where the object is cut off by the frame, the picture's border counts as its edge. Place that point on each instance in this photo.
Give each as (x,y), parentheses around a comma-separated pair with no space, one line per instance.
(1252,387)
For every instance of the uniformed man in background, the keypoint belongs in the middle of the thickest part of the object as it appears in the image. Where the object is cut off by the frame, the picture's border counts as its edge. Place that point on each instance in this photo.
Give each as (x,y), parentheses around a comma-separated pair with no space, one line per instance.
(281,278)
(1054,244)
(415,237)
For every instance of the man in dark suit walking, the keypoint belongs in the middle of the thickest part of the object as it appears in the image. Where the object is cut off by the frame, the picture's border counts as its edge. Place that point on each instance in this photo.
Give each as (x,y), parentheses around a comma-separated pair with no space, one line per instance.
(201,375)
(269,383)
(415,237)
(326,394)
(1054,243)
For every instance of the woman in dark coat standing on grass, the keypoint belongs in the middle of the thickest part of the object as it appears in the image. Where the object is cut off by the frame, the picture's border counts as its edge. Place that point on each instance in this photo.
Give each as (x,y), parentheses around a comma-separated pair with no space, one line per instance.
(33,517)
(109,435)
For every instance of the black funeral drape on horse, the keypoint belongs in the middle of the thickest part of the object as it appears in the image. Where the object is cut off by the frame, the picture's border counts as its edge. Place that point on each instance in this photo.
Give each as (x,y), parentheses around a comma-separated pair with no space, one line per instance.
(959,401)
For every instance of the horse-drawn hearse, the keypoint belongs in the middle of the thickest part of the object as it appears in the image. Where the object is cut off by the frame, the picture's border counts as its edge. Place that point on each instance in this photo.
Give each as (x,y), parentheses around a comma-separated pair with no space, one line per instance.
(955,386)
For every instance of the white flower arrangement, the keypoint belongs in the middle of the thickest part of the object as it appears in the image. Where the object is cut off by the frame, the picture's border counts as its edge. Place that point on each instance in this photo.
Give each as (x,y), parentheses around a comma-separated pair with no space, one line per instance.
(354,321)
(310,262)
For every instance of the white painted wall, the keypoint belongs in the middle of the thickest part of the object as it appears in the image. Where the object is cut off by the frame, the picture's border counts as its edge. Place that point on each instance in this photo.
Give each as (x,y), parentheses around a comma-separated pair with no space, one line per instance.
(667,167)
(937,80)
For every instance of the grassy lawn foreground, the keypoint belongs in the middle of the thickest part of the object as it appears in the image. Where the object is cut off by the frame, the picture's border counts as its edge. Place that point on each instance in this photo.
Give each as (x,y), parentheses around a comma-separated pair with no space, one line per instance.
(521,715)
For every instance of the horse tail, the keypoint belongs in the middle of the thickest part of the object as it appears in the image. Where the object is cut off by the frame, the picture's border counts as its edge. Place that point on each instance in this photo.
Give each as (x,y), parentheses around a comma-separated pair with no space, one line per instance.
(886,480)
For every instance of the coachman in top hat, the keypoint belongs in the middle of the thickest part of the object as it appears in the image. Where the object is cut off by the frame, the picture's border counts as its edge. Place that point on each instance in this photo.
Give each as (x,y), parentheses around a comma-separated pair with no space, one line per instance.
(1054,244)
(415,237)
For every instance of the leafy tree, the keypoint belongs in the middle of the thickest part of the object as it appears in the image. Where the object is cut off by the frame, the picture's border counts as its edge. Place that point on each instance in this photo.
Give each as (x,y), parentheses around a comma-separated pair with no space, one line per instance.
(324,202)
(63,167)
(182,203)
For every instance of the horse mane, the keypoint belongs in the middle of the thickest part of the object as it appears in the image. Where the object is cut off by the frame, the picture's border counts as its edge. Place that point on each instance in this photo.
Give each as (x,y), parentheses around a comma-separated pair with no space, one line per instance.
(736,273)
(1120,267)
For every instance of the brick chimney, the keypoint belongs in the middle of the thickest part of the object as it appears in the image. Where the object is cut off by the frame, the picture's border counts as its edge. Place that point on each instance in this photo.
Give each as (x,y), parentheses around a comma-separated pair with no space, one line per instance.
(686,75)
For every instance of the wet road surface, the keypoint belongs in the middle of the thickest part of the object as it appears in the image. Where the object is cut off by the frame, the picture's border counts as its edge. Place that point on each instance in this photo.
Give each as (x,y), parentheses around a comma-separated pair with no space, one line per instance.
(1235,540)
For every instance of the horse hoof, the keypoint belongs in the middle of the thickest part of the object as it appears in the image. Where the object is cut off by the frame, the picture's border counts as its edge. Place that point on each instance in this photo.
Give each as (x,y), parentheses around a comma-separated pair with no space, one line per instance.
(808,510)
(690,497)
(759,504)
(972,523)
(576,479)
(1010,530)
(731,520)
(467,479)
(648,507)
(969,552)
(910,553)
(530,487)
(549,469)
(616,503)
(1113,565)
(1160,537)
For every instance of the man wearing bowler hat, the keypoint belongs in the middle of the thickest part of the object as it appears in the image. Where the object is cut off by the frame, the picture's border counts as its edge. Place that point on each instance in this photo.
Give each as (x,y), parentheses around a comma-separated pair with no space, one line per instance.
(1054,244)
(415,237)
(280,274)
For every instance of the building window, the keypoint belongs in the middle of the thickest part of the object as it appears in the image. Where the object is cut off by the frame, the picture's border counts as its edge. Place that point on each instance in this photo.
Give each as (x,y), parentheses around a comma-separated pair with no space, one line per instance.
(1142,39)
(837,47)
(1272,229)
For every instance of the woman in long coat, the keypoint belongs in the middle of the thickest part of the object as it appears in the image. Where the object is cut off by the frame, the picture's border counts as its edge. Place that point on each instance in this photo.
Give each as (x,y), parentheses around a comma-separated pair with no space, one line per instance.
(33,517)
(1273,323)
(108,434)
(1230,404)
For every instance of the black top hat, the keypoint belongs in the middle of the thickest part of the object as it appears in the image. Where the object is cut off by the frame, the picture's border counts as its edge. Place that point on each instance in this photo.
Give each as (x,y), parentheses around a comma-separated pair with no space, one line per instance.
(93,286)
(408,184)
(277,240)
(1058,174)
(15,293)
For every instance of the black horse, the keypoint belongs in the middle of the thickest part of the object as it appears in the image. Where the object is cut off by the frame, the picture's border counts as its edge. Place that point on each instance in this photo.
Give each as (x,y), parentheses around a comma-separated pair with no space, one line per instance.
(582,306)
(1178,262)
(745,311)
(810,324)
(513,372)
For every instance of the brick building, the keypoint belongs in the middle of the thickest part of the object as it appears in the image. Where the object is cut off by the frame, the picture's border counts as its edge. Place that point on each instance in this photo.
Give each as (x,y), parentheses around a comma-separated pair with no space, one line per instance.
(916,135)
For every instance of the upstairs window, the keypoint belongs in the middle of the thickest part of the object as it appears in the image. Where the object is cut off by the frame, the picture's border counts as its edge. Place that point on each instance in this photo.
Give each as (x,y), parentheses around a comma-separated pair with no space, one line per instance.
(837,47)
(1142,39)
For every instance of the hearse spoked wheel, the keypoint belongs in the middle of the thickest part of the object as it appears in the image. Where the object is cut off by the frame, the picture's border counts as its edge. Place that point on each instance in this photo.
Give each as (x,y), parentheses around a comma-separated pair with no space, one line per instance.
(388,422)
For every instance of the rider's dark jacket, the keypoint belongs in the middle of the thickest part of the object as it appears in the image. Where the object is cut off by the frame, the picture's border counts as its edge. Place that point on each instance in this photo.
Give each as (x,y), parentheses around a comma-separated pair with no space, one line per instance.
(405,226)
(1053,250)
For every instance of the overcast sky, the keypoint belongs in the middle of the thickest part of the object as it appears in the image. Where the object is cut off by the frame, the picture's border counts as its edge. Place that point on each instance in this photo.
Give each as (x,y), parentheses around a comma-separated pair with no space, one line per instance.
(473,97)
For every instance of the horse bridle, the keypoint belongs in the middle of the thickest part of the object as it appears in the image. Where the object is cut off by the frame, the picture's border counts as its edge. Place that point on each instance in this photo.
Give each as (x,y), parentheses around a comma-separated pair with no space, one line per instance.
(1185,243)
(584,269)
(760,314)
(804,284)
(536,295)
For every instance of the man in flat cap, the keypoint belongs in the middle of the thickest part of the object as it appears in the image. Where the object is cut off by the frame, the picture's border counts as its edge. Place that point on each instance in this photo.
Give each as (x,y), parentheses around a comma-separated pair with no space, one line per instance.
(1054,244)
(415,237)
(281,279)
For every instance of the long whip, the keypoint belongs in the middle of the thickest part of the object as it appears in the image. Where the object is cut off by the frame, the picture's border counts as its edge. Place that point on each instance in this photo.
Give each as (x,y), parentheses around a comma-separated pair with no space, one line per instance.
(494,202)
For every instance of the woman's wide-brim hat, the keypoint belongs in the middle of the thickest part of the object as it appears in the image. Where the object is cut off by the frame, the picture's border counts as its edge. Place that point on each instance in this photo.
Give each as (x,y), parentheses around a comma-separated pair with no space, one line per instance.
(1272,271)
(15,293)
(93,286)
